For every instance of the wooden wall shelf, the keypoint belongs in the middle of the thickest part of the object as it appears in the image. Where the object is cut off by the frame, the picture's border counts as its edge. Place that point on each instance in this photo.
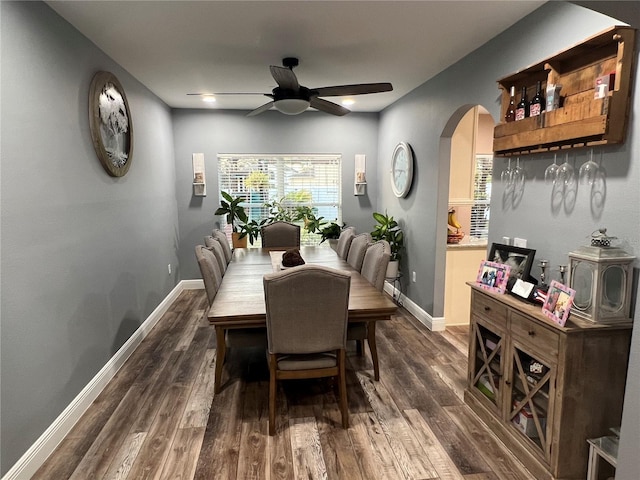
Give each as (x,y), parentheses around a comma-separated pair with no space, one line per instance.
(582,119)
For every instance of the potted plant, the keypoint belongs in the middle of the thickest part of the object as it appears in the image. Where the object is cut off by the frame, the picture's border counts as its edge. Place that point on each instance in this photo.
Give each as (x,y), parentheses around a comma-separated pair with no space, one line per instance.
(236,216)
(249,230)
(388,229)
(331,233)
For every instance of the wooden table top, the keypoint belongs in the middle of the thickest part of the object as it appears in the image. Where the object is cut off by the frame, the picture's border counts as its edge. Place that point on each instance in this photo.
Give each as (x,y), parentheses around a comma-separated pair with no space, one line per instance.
(240,299)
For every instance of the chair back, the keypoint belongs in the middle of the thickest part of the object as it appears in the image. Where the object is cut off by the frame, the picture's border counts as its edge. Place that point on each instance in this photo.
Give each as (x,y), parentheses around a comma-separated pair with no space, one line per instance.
(307,309)
(210,271)
(374,265)
(214,245)
(224,241)
(344,242)
(357,249)
(280,234)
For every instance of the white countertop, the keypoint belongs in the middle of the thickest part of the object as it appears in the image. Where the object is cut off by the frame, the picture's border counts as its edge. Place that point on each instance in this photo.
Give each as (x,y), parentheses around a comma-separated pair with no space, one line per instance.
(469,243)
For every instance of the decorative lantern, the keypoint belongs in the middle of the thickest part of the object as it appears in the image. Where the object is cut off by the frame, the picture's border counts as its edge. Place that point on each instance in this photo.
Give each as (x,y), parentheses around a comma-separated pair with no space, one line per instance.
(601,275)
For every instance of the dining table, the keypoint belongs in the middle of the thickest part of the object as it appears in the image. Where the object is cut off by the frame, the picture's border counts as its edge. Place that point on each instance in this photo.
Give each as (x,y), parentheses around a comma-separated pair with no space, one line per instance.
(240,302)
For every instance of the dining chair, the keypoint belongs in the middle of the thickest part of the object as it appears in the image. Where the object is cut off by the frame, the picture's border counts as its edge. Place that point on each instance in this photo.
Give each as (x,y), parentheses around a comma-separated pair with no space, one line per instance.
(374,268)
(210,271)
(357,249)
(307,313)
(224,241)
(344,242)
(214,245)
(280,234)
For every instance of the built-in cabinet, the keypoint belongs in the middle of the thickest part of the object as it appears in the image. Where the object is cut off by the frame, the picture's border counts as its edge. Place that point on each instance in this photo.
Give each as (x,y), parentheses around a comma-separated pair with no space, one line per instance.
(586,115)
(544,389)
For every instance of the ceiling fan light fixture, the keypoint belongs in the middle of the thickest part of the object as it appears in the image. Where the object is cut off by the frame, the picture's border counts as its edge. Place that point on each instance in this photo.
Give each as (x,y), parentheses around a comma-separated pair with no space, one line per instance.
(208,99)
(348,102)
(291,106)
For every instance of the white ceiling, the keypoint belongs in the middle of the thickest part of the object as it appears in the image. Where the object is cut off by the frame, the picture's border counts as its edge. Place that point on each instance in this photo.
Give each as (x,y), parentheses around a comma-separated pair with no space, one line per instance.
(178,47)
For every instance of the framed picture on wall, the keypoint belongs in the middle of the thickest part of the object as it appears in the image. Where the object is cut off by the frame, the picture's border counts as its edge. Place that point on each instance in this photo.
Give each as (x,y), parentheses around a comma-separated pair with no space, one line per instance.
(493,276)
(519,259)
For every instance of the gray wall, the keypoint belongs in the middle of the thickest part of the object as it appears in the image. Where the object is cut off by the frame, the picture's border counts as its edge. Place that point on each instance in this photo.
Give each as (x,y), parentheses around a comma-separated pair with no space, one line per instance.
(214,131)
(84,255)
(553,225)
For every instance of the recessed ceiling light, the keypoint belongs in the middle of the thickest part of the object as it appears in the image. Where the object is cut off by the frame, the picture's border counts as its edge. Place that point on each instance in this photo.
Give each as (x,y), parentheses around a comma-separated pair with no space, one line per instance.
(348,101)
(209,99)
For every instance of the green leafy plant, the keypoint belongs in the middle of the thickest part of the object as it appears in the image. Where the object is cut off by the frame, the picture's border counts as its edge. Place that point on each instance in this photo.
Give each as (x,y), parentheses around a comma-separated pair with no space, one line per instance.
(330,232)
(388,229)
(234,211)
(250,229)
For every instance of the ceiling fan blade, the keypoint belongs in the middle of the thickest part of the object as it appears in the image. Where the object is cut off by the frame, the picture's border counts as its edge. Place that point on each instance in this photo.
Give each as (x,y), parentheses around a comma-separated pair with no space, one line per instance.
(225,93)
(356,89)
(284,77)
(261,109)
(328,107)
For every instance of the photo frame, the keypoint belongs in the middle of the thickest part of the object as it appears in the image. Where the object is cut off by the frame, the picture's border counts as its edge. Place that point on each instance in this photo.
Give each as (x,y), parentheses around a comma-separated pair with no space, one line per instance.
(519,259)
(493,276)
(558,303)
(110,124)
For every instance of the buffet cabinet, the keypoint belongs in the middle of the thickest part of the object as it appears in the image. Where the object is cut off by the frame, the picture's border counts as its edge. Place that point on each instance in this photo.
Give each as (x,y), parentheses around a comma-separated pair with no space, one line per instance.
(544,389)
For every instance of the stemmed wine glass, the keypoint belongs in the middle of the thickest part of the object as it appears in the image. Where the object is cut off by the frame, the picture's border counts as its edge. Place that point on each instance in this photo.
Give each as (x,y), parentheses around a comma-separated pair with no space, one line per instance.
(517,176)
(588,170)
(507,174)
(551,173)
(566,171)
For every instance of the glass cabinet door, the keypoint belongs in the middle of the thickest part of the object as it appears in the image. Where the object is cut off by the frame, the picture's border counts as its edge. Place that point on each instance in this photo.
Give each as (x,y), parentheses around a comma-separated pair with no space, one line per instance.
(485,376)
(531,382)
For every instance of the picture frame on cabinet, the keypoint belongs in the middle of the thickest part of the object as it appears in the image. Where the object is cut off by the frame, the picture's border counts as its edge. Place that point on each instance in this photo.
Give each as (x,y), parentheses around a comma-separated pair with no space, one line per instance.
(519,259)
(558,303)
(493,276)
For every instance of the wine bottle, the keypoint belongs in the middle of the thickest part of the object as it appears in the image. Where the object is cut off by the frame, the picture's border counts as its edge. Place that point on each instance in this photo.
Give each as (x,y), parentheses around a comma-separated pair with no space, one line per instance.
(510,114)
(522,109)
(537,102)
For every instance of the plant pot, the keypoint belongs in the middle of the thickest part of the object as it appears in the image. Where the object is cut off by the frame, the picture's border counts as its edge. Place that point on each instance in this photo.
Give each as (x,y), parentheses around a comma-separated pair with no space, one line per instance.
(238,242)
(333,243)
(392,269)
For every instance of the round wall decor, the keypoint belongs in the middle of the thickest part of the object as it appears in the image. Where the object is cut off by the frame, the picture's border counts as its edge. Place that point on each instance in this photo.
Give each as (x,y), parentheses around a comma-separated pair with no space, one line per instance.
(110,123)
(401,169)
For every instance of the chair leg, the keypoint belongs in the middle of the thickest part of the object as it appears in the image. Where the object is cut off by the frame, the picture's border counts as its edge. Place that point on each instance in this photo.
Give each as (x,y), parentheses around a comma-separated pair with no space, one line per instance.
(360,347)
(371,340)
(272,394)
(344,408)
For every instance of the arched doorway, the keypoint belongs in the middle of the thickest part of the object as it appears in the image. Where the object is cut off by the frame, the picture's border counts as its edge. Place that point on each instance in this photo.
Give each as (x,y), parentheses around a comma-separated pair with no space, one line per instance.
(466,154)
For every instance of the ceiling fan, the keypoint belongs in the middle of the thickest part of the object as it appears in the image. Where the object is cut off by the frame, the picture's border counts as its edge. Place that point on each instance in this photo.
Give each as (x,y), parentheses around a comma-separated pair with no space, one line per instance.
(291,98)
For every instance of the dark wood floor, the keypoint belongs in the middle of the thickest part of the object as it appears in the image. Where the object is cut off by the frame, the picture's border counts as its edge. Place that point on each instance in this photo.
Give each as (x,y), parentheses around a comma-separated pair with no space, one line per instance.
(159,419)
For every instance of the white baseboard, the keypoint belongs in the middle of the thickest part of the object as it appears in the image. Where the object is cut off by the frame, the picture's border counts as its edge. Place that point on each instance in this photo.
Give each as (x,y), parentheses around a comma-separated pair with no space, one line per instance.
(33,458)
(435,324)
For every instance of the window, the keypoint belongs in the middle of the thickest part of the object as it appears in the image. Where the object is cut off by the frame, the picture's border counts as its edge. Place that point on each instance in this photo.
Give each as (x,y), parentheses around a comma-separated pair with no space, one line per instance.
(289,180)
(481,197)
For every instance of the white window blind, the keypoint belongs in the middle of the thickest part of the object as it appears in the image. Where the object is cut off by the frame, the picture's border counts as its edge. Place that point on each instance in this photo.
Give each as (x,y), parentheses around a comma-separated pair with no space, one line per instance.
(481,197)
(291,180)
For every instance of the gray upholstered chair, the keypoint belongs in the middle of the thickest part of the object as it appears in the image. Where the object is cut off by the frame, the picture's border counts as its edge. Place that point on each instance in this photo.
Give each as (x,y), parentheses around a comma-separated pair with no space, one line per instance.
(357,249)
(307,313)
(280,234)
(344,242)
(212,278)
(210,271)
(374,268)
(214,245)
(224,241)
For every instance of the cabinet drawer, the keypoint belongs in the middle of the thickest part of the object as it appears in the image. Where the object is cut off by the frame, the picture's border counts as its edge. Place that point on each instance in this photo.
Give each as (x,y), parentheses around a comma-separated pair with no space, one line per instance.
(489,310)
(534,334)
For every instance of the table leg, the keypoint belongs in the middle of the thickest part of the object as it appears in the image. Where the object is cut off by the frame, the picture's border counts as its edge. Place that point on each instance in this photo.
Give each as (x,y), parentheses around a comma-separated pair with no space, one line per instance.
(221,347)
(371,340)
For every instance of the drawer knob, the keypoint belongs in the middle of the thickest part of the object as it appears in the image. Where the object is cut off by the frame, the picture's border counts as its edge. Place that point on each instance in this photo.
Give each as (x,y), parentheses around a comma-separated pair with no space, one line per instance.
(487,309)
(532,333)
(507,382)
